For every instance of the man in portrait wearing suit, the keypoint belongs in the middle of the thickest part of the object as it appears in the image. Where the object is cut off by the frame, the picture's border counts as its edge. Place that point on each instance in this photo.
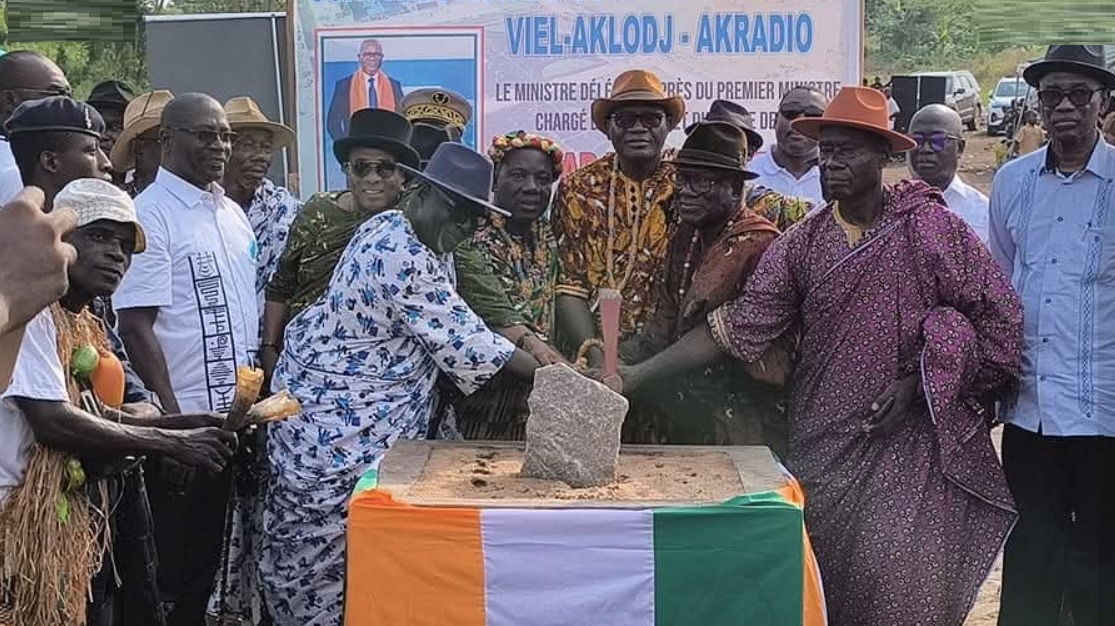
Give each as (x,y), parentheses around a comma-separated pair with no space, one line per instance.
(368,88)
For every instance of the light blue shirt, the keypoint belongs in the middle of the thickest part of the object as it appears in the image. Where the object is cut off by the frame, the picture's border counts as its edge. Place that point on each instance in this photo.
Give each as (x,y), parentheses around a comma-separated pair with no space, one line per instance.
(1055,237)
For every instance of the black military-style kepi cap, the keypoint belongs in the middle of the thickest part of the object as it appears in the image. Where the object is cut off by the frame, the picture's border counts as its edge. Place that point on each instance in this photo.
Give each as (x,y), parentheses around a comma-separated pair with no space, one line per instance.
(55,114)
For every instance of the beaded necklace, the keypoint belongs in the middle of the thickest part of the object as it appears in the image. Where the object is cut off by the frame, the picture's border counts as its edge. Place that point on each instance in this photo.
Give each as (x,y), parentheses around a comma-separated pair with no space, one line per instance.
(636,231)
(687,276)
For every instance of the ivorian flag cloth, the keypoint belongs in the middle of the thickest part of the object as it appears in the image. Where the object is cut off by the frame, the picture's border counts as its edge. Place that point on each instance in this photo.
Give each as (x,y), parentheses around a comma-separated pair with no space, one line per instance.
(743,562)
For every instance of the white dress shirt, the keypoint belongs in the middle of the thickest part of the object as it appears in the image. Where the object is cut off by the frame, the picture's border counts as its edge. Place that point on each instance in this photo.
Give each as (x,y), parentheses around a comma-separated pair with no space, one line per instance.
(969,203)
(11,182)
(199,270)
(777,178)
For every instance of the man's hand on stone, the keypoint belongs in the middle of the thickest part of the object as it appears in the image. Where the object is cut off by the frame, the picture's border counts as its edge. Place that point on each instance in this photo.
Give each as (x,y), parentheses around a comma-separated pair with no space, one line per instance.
(33,258)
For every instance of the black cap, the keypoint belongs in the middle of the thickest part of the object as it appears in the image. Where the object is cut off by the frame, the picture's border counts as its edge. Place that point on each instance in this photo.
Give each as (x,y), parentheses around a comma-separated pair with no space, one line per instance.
(111,93)
(55,113)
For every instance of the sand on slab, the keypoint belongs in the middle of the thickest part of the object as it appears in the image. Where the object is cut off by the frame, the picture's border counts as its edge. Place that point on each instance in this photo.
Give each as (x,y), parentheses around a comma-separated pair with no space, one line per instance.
(471,473)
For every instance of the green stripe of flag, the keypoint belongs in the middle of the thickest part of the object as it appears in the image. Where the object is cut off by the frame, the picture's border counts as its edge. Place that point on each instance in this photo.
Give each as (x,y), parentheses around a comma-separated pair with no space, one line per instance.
(738,563)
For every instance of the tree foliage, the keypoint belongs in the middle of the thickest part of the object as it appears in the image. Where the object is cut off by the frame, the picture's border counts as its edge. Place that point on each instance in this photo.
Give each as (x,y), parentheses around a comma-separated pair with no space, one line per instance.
(922,34)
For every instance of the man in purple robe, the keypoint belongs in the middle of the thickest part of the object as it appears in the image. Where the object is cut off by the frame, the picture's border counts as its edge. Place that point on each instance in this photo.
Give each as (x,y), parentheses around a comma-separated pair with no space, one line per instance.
(908,331)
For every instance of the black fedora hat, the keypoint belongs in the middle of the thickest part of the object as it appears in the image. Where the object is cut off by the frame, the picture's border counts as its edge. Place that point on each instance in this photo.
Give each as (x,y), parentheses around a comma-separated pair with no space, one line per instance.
(1076,59)
(378,128)
(715,146)
(111,93)
(735,114)
(462,173)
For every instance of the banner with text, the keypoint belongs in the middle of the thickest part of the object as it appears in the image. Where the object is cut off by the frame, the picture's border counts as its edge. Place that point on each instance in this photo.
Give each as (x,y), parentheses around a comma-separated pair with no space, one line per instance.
(538,65)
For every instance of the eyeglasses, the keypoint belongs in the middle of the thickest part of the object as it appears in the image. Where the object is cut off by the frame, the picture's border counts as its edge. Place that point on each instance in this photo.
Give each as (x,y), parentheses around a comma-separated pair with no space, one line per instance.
(649,119)
(937,140)
(701,183)
(1078,96)
(360,169)
(791,112)
(207,136)
(46,93)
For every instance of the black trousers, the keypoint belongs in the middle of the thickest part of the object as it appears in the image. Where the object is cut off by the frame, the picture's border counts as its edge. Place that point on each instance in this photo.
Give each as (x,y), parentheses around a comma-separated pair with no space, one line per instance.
(1060,557)
(189,532)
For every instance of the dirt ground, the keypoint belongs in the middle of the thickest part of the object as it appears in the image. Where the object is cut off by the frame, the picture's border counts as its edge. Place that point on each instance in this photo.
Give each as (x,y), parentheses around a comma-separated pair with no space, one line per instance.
(977,166)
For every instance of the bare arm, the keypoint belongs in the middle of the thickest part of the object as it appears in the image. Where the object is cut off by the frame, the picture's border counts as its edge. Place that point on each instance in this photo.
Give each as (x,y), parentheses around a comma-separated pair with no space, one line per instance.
(522,365)
(62,426)
(577,322)
(693,351)
(137,328)
(274,323)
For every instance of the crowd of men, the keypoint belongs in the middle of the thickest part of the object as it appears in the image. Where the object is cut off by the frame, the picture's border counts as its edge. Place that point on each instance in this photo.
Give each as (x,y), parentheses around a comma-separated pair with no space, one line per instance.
(871,334)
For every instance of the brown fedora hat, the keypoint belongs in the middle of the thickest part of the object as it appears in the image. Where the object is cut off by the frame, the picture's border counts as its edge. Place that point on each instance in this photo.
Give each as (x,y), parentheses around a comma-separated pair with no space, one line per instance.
(862,108)
(243,113)
(637,87)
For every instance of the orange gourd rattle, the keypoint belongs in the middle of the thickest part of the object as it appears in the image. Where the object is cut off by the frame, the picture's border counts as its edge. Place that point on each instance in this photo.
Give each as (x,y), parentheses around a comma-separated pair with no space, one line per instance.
(107,379)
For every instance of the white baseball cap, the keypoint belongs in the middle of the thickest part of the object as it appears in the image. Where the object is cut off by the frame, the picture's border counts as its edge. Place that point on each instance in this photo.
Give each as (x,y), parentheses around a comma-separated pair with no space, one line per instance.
(93,199)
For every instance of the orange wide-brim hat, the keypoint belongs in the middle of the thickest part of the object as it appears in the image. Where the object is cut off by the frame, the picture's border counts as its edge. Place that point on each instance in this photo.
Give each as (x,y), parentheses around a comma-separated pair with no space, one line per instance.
(637,87)
(862,108)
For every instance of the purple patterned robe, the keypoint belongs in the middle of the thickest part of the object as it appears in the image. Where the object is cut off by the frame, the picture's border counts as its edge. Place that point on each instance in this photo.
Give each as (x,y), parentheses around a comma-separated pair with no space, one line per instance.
(905,526)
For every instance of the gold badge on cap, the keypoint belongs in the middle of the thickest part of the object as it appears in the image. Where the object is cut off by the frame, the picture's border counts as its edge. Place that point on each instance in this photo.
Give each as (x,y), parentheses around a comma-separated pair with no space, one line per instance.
(439,97)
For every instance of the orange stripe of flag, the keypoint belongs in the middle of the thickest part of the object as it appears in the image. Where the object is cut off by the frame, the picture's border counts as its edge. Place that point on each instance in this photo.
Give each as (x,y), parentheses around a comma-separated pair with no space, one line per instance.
(813,599)
(415,567)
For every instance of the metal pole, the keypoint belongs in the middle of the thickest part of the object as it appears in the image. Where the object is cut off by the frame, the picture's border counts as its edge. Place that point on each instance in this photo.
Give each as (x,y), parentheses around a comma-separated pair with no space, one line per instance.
(279,89)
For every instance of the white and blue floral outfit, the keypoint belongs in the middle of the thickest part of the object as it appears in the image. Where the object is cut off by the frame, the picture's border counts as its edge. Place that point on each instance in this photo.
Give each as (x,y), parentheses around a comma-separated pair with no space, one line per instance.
(271,213)
(237,589)
(363,361)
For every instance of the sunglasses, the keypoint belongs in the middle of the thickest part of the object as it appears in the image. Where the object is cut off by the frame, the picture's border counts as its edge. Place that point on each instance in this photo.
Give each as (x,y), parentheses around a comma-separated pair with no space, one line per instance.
(649,119)
(466,219)
(360,169)
(937,141)
(1078,96)
(792,113)
(207,136)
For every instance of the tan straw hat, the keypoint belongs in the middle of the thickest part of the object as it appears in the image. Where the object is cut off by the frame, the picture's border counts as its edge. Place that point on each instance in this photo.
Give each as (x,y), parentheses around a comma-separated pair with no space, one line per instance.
(93,199)
(142,115)
(243,113)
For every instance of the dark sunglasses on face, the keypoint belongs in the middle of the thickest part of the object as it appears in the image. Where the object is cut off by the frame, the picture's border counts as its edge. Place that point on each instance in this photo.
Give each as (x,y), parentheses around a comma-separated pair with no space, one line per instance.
(206,136)
(360,169)
(1078,96)
(649,119)
(794,112)
(937,141)
(462,218)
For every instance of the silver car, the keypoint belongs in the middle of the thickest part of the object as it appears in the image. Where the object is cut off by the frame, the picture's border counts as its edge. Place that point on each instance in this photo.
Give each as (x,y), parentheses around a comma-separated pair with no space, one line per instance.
(962,94)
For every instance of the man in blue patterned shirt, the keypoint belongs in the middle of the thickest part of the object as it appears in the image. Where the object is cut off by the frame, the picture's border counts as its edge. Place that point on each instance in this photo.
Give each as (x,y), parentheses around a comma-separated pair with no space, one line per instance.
(1052,228)
(270,208)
